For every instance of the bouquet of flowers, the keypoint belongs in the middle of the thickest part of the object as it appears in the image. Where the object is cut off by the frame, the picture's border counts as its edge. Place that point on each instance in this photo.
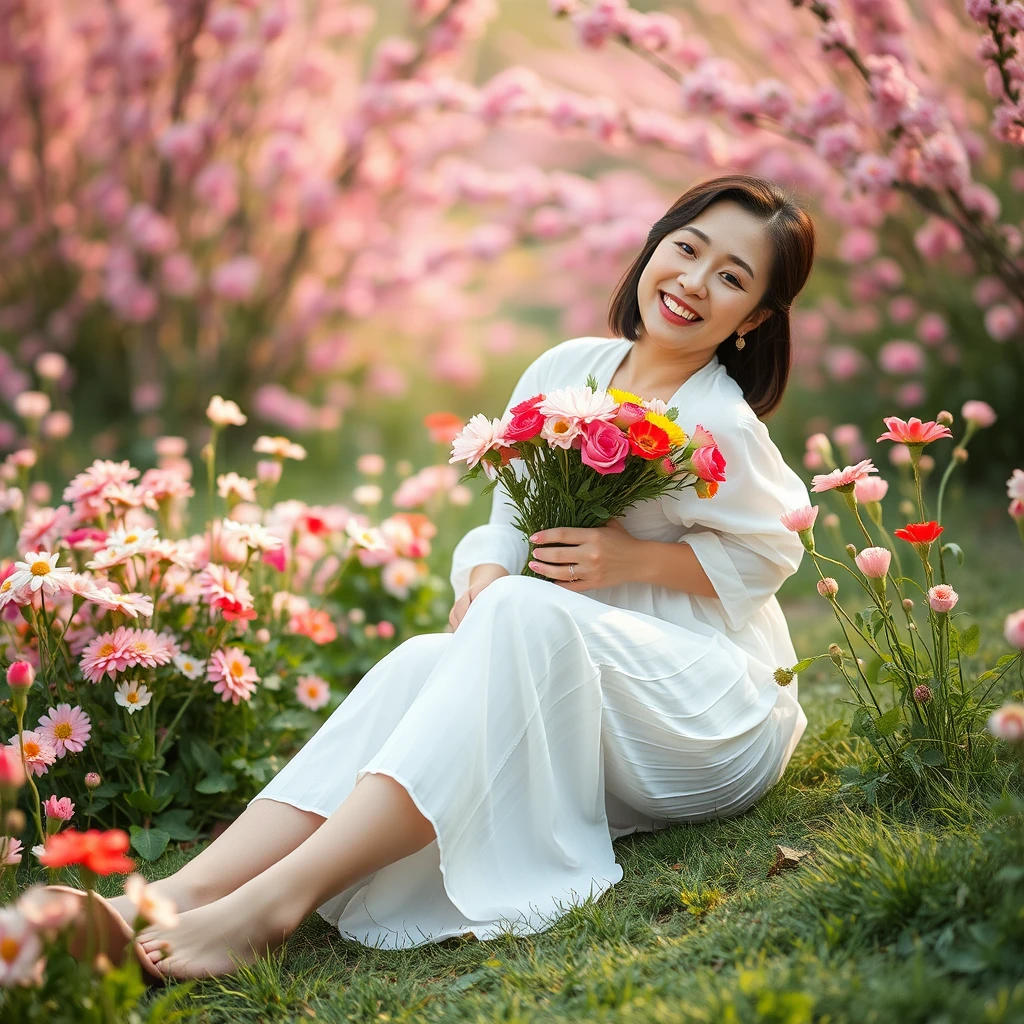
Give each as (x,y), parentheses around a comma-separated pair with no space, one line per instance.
(587,456)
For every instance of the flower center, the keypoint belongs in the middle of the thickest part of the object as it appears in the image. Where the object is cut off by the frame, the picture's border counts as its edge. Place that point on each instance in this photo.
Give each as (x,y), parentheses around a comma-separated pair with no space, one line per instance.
(40,568)
(106,650)
(131,538)
(132,696)
(5,586)
(237,669)
(9,949)
(32,749)
(62,730)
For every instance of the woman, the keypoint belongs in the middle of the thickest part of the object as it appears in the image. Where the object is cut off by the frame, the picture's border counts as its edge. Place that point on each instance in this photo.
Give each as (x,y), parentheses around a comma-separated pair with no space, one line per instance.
(474,780)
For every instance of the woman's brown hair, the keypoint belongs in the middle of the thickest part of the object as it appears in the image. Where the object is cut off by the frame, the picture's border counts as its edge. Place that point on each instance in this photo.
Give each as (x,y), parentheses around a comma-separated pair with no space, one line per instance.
(762,367)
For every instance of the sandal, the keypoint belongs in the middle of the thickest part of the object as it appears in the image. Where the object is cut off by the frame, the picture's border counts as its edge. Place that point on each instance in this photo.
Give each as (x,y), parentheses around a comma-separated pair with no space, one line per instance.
(110,933)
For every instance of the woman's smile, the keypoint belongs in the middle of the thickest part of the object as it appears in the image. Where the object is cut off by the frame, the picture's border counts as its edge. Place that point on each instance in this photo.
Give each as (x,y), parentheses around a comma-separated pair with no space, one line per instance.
(676,311)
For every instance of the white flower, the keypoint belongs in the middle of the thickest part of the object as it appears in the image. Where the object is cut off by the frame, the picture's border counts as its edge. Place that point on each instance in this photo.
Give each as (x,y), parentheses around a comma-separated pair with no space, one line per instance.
(130,541)
(189,667)
(561,431)
(279,446)
(132,696)
(39,572)
(156,909)
(367,494)
(479,435)
(259,538)
(1015,485)
(224,413)
(580,404)
(11,500)
(368,537)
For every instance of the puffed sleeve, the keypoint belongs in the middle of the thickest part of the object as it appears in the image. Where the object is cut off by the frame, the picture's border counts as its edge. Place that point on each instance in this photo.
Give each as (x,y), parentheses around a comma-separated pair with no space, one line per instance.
(497,541)
(736,535)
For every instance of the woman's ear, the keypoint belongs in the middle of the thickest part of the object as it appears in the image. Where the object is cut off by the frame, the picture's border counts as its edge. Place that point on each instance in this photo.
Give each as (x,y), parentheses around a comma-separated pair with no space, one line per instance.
(754,322)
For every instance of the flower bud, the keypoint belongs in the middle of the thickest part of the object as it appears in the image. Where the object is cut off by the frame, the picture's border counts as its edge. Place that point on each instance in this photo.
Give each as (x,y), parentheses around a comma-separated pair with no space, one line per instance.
(851,550)
(831,521)
(92,780)
(828,587)
(20,675)
(922,693)
(945,418)
(959,454)
(835,652)
(263,635)
(268,471)
(206,452)
(783,676)
(908,604)
(14,821)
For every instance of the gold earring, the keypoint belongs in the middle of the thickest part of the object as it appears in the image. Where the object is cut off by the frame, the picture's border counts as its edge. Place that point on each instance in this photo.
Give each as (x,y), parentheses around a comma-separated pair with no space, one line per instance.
(740,343)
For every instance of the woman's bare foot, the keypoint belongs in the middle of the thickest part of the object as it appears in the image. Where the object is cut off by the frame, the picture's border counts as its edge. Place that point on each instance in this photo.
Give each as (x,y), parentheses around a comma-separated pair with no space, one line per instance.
(184,895)
(214,939)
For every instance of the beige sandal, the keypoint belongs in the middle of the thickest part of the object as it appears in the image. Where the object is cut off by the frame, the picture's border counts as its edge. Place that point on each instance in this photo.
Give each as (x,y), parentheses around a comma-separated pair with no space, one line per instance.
(111,933)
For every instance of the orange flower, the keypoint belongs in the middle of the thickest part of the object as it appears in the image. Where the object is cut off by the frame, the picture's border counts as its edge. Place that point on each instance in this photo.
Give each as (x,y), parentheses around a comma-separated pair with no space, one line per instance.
(648,440)
(443,426)
(102,853)
(316,624)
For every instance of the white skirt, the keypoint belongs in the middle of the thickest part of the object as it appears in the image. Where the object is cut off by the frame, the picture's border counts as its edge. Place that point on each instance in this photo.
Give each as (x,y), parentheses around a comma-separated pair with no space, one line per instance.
(546,725)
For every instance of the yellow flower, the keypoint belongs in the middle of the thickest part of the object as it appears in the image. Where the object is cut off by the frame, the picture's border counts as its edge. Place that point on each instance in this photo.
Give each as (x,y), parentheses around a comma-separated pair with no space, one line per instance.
(676,434)
(625,396)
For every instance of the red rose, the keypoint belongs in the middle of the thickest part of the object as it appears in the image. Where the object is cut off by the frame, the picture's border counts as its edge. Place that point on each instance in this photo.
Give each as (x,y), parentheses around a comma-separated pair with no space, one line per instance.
(919,533)
(524,425)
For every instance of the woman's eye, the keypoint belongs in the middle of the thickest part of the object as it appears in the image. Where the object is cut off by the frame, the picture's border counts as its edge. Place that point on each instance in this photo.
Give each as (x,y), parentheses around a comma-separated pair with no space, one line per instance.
(688,249)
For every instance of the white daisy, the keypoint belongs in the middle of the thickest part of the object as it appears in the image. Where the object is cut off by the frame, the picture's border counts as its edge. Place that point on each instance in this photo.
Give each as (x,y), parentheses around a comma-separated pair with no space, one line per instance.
(189,667)
(39,572)
(132,696)
(257,537)
(580,404)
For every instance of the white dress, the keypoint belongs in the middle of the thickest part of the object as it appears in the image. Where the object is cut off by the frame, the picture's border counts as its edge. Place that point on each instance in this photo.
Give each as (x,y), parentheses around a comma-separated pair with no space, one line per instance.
(551,722)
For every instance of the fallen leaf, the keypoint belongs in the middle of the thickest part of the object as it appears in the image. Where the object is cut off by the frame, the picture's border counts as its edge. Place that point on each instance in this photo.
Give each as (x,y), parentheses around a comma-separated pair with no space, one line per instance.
(786,859)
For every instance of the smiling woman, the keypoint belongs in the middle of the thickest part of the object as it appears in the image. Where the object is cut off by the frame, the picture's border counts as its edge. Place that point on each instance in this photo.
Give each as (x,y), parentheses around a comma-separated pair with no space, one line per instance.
(717,276)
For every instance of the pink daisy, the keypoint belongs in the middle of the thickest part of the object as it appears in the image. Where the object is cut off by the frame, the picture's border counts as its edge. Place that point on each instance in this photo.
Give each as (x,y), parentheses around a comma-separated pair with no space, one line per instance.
(234,675)
(37,748)
(145,647)
(44,526)
(313,692)
(913,431)
(68,728)
(842,479)
(91,482)
(108,654)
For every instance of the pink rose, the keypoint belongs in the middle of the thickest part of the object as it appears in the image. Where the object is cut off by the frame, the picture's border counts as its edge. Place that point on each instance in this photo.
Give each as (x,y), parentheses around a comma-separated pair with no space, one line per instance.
(604,448)
(709,463)
(628,414)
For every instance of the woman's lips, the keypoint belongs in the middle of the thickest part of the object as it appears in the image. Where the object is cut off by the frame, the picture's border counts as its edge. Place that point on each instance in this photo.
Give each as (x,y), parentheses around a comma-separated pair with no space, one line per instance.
(674,318)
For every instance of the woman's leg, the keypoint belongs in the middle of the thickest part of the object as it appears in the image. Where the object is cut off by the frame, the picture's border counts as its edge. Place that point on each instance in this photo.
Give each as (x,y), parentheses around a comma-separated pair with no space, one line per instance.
(266,831)
(377,824)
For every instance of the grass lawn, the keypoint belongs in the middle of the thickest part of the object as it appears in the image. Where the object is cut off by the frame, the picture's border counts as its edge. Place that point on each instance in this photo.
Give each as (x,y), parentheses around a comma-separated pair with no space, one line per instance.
(910,915)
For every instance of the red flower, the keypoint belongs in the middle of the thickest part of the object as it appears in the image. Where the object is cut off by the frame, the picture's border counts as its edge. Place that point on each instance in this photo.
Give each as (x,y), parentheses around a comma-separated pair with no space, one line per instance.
(102,853)
(919,533)
(527,420)
(232,610)
(648,440)
(709,464)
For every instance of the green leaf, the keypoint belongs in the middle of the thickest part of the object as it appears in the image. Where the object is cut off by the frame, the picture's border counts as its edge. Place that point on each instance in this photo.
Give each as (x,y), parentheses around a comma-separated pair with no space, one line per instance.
(913,760)
(143,801)
(889,722)
(802,665)
(956,550)
(149,843)
(294,718)
(175,824)
(205,756)
(933,757)
(970,638)
(222,782)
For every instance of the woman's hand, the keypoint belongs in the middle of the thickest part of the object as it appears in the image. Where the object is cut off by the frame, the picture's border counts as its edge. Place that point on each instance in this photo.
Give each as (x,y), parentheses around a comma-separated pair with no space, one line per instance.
(604,556)
(480,577)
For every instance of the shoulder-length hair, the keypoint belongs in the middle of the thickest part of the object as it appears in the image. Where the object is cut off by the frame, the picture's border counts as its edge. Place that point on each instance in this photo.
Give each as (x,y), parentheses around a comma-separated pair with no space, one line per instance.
(762,367)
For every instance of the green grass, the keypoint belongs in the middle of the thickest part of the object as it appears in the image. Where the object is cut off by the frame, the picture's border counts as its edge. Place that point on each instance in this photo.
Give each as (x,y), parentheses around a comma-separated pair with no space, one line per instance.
(908,916)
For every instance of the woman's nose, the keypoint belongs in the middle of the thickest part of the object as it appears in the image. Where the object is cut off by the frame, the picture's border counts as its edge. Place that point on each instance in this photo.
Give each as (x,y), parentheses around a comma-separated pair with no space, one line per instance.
(693,284)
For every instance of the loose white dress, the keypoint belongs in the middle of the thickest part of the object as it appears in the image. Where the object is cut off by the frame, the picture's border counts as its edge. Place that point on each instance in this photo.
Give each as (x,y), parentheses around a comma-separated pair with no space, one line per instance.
(551,722)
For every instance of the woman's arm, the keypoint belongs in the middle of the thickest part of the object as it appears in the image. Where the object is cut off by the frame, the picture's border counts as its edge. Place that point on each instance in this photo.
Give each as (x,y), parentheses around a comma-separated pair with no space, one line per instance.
(673,565)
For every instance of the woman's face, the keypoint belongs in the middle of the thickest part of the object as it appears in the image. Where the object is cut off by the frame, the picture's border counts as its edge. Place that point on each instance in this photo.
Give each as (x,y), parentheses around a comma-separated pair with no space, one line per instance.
(715,268)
